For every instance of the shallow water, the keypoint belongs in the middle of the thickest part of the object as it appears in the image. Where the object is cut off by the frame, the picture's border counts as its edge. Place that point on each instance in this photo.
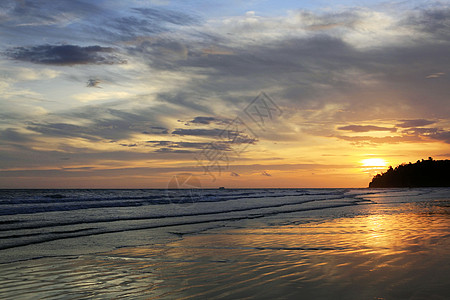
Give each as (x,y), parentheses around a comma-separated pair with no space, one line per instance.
(395,246)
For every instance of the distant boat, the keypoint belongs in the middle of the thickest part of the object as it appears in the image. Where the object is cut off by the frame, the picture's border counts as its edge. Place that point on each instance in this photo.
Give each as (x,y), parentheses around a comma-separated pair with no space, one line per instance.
(221,188)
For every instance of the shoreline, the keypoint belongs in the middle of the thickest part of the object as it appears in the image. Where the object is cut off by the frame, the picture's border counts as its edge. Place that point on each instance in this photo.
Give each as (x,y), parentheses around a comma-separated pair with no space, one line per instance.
(397,247)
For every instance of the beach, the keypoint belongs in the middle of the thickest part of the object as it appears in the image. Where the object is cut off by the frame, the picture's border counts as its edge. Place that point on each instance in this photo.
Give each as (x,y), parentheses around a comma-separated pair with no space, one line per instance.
(231,244)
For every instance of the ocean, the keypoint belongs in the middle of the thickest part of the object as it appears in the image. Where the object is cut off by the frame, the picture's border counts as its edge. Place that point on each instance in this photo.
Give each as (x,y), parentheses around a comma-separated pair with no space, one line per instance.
(225,244)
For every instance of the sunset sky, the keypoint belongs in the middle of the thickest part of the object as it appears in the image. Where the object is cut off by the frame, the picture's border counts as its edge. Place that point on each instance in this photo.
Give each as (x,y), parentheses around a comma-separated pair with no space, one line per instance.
(128,94)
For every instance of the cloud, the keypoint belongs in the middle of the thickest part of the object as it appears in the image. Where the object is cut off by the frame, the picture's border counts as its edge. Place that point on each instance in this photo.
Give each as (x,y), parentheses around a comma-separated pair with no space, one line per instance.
(11,135)
(406,135)
(441,135)
(435,75)
(208,121)
(93,83)
(191,146)
(366,128)
(129,145)
(97,124)
(170,150)
(144,22)
(65,55)
(414,123)
(198,132)
(203,120)
(63,130)
(28,13)
(27,74)
(159,15)
(231,137)
(434,21)
(433,133)
(99,95)
(264,173)
(156,130)
(370,140)
(311,68)
(419,131)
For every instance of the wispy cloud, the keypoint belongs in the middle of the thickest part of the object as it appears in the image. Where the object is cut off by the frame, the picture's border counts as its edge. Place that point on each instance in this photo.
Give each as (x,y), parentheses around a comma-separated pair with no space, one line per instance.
(366,128)
(436,75)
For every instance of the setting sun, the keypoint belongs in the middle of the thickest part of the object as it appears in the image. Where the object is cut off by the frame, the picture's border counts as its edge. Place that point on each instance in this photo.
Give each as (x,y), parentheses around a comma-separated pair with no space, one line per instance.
(372,166)
(374,162)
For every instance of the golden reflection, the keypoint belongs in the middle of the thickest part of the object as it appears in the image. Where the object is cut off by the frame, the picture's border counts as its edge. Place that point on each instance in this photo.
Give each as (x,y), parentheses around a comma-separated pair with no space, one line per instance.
(367,252)
(390,252)
(375,233)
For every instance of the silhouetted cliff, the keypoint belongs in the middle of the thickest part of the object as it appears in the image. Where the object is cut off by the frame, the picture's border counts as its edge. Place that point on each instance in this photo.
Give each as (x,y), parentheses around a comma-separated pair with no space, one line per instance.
(425,173)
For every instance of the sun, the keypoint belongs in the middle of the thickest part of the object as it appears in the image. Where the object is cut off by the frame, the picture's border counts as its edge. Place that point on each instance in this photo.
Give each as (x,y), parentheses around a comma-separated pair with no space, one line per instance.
(374,163)
(373,166)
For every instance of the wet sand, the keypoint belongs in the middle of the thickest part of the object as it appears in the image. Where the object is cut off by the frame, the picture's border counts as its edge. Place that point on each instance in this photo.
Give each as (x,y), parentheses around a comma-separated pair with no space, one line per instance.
(388,252)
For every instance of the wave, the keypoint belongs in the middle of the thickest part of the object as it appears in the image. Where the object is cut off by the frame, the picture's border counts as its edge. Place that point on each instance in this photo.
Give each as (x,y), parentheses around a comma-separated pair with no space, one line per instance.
(58,235)
(44,202)
(34,217)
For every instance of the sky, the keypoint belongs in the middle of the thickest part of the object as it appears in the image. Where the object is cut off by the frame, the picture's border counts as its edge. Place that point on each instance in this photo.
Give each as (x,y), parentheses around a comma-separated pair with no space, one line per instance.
(255,93)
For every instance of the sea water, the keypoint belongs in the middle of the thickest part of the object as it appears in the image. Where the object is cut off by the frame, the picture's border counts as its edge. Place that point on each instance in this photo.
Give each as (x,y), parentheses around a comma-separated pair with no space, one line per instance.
(225,244)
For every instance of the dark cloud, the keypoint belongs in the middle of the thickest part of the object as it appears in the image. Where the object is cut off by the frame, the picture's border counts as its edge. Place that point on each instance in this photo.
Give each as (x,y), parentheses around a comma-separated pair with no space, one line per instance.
(11,135)
(232,137)
(441,135)
(62,130)
(200,121)
(366,128)
(171,150)
(204,120)
(129,145)
(435,21)
(420,131)
(415,123)
(159,143)
(93,83)
(198,132)
(221,146)
(156,130)
(433,133)
(65,55)
(187,145)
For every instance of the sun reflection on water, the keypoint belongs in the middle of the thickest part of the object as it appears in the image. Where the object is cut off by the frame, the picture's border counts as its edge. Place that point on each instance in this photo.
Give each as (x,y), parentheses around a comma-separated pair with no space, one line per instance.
(387,252)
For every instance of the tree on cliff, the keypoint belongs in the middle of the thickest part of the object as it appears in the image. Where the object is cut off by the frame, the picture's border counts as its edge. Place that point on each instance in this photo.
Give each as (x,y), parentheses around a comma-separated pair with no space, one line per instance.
(425,173)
